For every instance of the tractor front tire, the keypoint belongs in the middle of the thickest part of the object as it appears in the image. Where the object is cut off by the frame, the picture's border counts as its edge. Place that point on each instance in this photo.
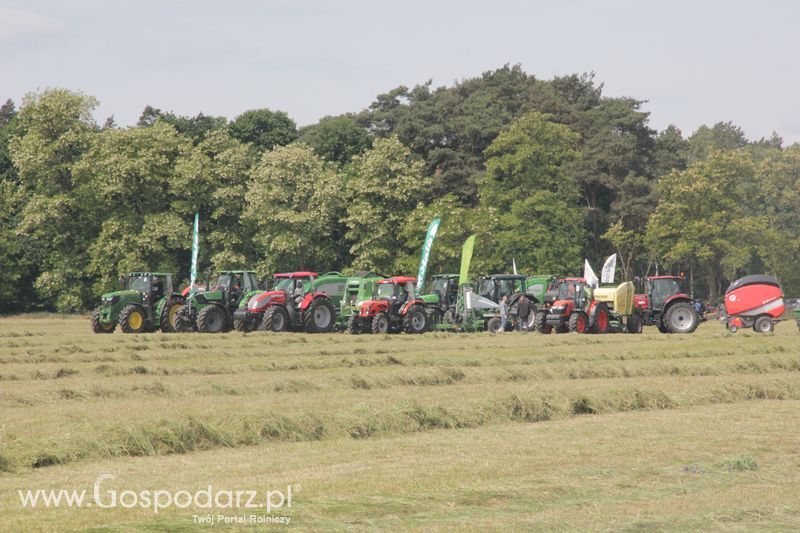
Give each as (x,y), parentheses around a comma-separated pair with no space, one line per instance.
(245,326)
(601,319)
(354,324)
(494,325)
(540,322)
(681,318)
(320,317)
(634,324)
(380,323)
(764,324)
(133,319)
(169,313)
(211,319)
(578,322)
(185,320)
(275,319)
(435,317)
(99,327)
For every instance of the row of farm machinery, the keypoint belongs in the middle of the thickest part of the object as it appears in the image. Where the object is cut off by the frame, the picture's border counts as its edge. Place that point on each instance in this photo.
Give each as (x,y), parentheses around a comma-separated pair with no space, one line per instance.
(367,302)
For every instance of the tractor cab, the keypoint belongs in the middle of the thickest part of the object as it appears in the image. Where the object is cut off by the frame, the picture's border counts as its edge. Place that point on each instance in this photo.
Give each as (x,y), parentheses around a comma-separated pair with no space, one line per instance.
(573,293)
(394,307)
(138,305)
(235,284)
(442,290)
(665,304)
(496,286)
(657,290)
(396,291)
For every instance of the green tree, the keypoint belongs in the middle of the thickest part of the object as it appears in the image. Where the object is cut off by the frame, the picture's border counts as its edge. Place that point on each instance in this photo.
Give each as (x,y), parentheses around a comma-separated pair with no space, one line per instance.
(385,186)
(706,217)
(721,136)
(264,128)
(196,127)
(293,203)
(336,139)
(530,200)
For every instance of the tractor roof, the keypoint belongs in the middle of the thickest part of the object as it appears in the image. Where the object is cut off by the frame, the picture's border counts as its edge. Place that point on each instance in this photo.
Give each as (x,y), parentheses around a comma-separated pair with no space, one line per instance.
(397,279)
(159,274)
(296,275)
(223,272)
(506,276)
(367,274)
(445,276)
(664,277)
(581,280)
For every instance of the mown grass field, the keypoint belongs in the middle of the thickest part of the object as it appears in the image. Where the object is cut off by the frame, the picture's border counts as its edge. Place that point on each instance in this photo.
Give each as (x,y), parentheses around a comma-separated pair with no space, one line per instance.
(441,431)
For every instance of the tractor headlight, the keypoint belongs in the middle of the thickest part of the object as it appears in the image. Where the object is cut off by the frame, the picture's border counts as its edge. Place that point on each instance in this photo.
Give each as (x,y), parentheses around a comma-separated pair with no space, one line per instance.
(256,303)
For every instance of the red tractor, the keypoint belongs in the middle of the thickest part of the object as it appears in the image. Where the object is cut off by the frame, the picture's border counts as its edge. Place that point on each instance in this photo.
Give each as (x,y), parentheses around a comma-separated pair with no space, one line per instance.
(293,304)
(571,307)
(394,307)
(664,304)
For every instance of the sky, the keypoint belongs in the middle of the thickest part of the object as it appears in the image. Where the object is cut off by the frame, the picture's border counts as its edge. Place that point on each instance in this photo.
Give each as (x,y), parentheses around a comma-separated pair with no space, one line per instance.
(694,62)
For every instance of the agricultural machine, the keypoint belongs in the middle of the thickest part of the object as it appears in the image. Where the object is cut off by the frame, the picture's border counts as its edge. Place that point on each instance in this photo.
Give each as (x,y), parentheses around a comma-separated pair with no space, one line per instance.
(522,293)
(146,302)
(212,310)
(573,306)
(664,304)
(754,301)
(299,301)
(358,289)
(394,307)
(441,298)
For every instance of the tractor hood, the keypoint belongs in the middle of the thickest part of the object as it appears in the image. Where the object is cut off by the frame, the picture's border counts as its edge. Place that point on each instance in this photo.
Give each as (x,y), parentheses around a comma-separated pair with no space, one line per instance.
(259,302)
(430,298)
(121,295)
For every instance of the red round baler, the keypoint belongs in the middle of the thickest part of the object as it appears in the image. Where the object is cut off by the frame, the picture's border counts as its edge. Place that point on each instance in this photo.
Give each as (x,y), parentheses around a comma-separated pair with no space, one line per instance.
(754,301)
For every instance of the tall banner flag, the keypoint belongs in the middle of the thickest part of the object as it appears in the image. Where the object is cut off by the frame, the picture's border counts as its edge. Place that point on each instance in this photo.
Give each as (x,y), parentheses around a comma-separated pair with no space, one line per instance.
(433,227)
(609,268)
(195,246)
(514,262)
(589,275)
(466,257)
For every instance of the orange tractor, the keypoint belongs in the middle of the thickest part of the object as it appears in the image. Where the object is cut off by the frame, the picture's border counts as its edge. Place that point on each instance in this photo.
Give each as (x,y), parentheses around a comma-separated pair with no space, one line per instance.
(393,308)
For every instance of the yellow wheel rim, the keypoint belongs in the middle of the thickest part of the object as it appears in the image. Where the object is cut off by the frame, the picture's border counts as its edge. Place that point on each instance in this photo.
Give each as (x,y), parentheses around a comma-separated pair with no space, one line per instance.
(135,320)
(172,312)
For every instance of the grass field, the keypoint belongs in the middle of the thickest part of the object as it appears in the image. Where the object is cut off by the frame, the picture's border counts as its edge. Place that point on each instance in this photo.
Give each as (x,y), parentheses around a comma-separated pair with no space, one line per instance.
(438,431)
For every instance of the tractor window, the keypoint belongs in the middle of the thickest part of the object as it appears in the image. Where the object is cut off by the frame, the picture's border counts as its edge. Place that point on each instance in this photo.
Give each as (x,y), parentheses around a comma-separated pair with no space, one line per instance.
(507,287)
(223,282)
(486,289)
(384,291)
(283,284)
(250,281)
(663,289)
(410,289)
(139,283)
(438,286)
(332,289)
(566,291)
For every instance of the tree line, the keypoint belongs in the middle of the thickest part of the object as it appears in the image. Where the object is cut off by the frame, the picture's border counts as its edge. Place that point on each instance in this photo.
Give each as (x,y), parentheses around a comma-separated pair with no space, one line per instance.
(545,172)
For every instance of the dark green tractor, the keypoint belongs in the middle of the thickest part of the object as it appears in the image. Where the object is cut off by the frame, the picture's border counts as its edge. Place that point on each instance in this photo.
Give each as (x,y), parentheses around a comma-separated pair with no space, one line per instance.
(523,295)
(441,298)
(211,310)
(146,302)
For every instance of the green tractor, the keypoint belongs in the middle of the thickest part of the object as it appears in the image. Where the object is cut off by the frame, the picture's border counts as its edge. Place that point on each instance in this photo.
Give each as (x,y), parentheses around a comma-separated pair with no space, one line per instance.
(441,299)
(521,292)
(145,303)
(211,311)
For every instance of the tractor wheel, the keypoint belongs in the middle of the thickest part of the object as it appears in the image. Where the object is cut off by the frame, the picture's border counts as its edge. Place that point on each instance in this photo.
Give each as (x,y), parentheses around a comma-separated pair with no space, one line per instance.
(354,324)
(601,319)
(132,319)
(435,317)
(540,322)
(764,324)
(681,318)
(494,325)
(185,321)
(634,324)
(169,313)
(320,317)
(245,326)
(99,327)
(275,319)
(578,322)
(732,328)
(380,323)
(415,321)
(211,319)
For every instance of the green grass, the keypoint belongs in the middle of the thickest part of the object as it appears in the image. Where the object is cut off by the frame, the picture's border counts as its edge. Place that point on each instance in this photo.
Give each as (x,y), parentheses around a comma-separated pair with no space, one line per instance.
(440,431)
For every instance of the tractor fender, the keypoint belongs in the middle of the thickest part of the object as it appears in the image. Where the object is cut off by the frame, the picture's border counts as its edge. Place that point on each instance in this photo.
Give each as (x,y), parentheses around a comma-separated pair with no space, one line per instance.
(408,304)
(312,297)
(680,297)
(306,301)
(592,312)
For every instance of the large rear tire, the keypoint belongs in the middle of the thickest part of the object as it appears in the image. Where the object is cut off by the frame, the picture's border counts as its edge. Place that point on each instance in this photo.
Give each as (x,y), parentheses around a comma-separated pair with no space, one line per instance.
(169,313)
(185,320)
(275,319)
(415,321)
(681,318)
(133,319)
(764,324)
(211,319)
(578,322)
(320,317)
(634,324)
(380,323)
(99,327)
